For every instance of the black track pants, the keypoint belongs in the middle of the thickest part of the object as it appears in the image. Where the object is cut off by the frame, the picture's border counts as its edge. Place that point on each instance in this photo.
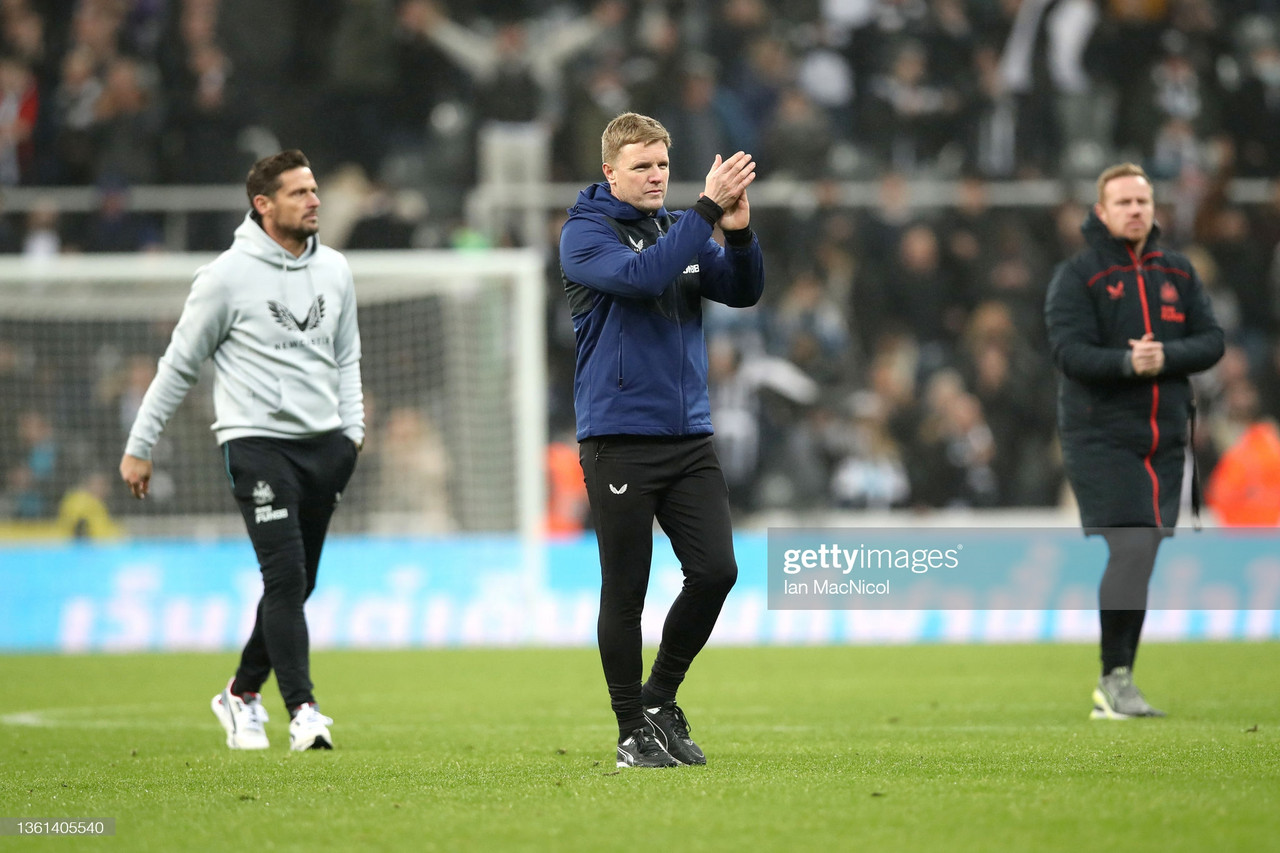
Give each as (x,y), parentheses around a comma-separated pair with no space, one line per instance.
(287,490)
(631,480)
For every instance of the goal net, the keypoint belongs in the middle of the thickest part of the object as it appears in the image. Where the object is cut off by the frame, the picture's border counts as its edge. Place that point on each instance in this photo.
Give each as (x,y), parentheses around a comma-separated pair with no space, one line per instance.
(453,369)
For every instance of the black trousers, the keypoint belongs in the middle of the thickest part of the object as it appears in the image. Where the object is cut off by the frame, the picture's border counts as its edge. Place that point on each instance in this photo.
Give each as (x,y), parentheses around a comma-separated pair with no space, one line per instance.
(631,480)
(287,490)
(1122,593)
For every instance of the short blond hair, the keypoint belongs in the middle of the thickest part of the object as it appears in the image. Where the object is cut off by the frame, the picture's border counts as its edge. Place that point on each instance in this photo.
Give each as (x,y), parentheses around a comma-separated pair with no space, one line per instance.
(1120,170)
(627,129)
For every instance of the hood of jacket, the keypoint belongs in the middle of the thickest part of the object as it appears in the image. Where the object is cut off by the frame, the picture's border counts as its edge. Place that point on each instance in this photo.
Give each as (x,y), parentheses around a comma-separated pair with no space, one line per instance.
(252,240)
(1096,235)
(598,199)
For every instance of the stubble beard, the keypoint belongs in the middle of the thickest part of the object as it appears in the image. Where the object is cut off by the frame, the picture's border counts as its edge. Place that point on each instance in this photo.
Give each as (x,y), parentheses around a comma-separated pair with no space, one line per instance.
(301,233)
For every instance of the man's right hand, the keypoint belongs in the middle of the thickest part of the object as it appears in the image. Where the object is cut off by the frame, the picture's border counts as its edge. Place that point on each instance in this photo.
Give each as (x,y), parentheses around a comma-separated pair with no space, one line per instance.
(1147,355)
(137,475)
(729,179)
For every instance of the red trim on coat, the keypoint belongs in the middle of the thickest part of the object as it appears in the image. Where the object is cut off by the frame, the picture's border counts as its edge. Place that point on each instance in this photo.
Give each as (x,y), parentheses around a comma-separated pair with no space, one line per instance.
(1155,397)
(1137,266)
(1155,442)
(1109,271)
(1142,293)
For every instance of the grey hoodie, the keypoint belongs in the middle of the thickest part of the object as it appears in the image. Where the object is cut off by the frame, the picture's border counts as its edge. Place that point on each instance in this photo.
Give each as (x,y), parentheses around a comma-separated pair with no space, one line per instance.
(284,342)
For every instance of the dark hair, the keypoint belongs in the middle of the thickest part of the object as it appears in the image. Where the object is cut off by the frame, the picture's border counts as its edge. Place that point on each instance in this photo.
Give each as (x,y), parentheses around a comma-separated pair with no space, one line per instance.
(264,177)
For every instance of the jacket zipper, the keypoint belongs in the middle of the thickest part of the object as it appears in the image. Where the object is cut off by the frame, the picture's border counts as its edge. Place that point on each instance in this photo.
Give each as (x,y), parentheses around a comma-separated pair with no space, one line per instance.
(676,298)
(1155,393)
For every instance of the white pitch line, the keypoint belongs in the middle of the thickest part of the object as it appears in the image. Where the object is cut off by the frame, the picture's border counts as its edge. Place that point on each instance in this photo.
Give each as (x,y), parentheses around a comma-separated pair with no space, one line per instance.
(104,717)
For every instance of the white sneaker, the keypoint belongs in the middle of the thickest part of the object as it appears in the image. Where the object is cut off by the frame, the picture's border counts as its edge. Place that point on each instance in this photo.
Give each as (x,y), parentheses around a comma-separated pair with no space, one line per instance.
(310,729)
(242,717)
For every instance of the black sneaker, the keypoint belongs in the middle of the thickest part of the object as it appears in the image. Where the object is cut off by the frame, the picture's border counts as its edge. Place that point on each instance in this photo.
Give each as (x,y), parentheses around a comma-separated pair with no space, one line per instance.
(672,730)
(643,750)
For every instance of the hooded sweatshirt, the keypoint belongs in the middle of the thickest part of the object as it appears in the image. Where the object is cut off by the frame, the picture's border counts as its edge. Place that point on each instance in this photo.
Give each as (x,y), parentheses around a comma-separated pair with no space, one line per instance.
(284,342)
(635,284)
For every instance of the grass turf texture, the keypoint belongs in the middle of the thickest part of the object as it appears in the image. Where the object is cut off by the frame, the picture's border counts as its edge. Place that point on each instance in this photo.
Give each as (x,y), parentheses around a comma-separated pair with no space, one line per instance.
(898,748)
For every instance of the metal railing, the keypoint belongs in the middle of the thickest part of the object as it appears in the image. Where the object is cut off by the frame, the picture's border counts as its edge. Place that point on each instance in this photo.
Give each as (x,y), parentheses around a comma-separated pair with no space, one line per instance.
(491,204)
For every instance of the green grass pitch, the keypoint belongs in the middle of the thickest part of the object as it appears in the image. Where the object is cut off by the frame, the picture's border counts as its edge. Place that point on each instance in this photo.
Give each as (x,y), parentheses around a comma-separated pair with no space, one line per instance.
(929,748)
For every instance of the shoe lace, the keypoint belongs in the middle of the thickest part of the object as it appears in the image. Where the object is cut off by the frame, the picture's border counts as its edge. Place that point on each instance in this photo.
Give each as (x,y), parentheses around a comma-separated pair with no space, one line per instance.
(310,715)
(1121,684)
(679,723)
(646,743)
(257,713)
(1124,693)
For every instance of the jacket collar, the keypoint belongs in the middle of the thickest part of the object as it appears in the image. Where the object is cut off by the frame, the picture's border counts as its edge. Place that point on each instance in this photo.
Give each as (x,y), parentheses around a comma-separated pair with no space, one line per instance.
(251,239)
(598,199)
(1097,236)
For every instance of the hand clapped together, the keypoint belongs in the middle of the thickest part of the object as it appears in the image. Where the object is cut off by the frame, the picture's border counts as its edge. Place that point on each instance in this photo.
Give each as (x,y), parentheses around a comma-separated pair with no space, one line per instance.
(726,185)
(1147,355)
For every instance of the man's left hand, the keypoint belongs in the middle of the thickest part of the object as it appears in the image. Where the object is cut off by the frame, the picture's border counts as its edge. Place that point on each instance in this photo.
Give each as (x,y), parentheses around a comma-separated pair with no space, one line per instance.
(737,215)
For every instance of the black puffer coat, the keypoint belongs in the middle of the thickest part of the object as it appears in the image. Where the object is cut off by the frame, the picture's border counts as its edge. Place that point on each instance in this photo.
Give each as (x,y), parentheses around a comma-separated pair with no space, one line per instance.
(1124,436)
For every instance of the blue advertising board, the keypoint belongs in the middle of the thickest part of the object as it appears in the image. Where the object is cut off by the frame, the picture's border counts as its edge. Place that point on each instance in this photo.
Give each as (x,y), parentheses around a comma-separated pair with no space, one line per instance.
(490,591)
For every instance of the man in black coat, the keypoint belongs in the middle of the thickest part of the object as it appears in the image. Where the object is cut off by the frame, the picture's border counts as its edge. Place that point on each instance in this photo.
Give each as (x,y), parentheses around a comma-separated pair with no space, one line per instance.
(1128,323)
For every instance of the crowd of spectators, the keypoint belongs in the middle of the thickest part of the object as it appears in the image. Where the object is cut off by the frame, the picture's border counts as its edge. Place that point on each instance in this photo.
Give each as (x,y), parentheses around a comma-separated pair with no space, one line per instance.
(898,358)
(119,93)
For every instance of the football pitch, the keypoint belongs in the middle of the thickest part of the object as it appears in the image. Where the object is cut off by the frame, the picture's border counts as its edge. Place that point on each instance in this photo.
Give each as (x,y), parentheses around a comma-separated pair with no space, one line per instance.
(902,748)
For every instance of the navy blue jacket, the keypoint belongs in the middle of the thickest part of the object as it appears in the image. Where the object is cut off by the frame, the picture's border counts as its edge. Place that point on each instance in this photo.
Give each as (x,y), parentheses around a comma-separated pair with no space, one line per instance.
(635,284)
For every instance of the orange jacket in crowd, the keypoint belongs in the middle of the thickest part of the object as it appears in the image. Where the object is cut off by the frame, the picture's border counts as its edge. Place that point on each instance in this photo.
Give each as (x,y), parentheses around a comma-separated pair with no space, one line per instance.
(566,491)
(1244,488)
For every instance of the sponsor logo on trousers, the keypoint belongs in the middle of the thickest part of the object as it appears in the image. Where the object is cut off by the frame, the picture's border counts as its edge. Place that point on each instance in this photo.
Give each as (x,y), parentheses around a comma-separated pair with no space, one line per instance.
(266,513)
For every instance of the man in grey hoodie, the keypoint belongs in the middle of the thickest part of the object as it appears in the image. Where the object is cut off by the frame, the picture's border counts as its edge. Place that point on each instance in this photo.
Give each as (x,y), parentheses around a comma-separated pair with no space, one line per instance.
(277,314)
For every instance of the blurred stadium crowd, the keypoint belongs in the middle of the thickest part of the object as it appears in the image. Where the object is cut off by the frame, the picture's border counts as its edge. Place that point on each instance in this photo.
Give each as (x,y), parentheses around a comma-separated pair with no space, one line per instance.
(898,358)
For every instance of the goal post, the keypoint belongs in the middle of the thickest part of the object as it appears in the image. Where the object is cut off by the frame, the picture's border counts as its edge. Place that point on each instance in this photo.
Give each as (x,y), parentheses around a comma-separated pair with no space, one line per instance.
(454,370)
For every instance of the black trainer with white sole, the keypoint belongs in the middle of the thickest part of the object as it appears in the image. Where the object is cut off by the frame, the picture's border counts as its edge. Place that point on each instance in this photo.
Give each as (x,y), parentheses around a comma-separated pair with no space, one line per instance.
(642,749)
(672,730)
